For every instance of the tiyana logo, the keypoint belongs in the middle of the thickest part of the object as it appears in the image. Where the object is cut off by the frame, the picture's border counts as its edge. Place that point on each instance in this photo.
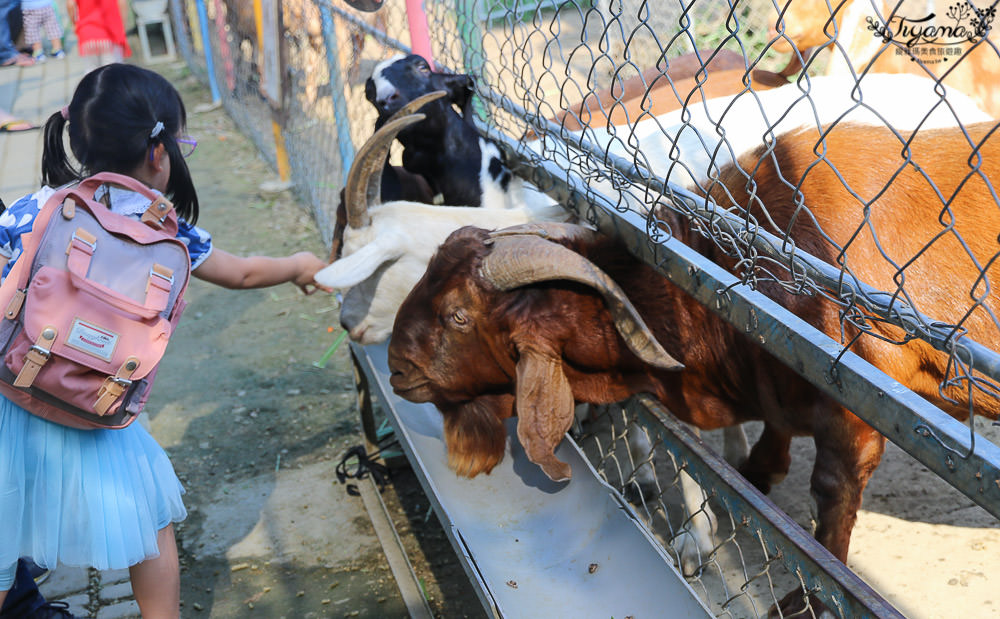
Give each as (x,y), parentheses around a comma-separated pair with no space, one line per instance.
(931,40)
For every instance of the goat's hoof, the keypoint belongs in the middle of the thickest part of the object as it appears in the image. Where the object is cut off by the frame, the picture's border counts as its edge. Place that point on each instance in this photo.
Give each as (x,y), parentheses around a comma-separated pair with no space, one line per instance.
(761,480)
(639,492)
(690,558)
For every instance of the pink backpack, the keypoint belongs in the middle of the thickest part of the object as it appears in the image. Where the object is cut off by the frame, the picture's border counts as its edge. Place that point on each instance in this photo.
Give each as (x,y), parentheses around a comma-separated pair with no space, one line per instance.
(90,305)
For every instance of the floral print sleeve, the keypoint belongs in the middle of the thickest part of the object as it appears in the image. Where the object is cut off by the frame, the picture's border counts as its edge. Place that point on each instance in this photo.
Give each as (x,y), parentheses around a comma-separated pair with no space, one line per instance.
(16,221)
(198,241)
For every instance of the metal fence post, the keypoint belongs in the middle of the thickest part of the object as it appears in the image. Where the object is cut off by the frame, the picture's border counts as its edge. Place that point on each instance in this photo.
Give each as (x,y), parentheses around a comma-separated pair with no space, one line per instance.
(420,39)
(207,47)
(344,142)
(177,16)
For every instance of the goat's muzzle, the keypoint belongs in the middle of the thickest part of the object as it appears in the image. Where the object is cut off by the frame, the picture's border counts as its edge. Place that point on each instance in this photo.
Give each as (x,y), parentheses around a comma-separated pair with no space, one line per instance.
(406,379)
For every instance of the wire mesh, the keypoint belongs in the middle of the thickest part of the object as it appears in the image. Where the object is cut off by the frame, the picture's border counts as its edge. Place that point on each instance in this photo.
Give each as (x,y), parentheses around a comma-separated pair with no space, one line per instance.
(728,564)
(645,104)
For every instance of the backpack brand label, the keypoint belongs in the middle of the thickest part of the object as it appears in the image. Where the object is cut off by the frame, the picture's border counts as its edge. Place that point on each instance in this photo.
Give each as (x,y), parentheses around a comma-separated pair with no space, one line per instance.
(92,339)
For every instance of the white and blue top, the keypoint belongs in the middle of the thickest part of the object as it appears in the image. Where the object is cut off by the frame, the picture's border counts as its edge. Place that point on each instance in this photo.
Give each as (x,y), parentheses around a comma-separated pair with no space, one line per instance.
(82,497)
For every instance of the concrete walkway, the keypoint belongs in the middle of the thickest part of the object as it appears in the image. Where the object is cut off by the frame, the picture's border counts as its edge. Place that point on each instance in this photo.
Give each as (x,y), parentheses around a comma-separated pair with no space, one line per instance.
(33,94)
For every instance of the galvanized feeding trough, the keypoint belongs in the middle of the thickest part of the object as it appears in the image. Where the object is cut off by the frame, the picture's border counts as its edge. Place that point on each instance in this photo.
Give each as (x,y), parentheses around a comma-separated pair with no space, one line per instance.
(533,547)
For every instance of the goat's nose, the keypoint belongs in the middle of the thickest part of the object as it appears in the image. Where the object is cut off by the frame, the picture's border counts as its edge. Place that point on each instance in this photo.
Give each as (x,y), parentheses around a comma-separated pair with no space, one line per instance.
(391,101)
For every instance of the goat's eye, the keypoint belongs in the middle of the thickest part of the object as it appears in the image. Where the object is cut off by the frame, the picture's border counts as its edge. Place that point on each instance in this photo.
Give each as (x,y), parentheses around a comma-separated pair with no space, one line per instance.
(459,318)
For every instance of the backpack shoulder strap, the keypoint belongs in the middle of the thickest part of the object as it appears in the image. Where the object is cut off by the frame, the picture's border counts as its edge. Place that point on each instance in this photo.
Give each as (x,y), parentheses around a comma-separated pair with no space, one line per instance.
(160,215)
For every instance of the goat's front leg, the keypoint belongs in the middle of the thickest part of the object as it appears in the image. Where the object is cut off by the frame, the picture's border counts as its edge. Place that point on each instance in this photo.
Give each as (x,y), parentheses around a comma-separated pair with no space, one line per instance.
(769,459)
(847,452)
(694,544)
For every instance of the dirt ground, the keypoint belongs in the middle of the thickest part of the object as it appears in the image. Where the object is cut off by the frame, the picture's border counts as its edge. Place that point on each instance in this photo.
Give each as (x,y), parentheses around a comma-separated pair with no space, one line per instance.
(255,430)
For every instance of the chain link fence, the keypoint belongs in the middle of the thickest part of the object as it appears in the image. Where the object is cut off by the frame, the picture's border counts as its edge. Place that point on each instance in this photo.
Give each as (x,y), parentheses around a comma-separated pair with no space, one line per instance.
(629,111)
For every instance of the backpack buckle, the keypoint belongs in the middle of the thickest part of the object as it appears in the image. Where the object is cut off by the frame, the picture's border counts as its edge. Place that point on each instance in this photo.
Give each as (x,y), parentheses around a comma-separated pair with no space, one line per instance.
(36,357)
(157,212)
(87,239)
(114,386)
(163,273)
(44,353)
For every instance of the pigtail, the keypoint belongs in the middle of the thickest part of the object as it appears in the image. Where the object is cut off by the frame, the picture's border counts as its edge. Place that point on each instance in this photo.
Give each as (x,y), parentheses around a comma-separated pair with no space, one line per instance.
(56,167)
(179,185)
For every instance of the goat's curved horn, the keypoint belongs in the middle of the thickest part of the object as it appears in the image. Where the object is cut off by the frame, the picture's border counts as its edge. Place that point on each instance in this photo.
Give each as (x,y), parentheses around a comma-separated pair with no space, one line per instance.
(521,260)
(549,230)
(414,106)
(364,181)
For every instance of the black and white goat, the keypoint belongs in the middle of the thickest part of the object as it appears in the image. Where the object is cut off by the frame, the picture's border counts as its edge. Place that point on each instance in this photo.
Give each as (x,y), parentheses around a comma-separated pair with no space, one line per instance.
(462,167)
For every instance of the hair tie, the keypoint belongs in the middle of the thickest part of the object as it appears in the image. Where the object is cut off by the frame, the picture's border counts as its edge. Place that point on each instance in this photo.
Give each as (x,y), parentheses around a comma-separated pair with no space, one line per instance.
(156,130)
(65,112)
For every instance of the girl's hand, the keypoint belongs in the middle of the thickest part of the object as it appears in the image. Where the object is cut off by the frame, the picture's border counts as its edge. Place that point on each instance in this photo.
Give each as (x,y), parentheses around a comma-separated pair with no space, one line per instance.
(72,10)
(229,271)
(309,265)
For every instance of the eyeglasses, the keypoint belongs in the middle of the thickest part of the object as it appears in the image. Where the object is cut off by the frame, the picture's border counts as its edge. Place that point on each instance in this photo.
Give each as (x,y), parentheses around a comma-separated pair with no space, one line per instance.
(187,144)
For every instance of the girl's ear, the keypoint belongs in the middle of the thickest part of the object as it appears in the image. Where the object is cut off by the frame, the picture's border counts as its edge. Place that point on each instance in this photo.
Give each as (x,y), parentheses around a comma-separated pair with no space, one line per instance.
(157,154)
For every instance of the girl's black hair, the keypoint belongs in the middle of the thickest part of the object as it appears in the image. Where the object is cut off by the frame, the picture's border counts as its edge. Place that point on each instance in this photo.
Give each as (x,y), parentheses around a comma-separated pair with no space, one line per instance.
(111,120)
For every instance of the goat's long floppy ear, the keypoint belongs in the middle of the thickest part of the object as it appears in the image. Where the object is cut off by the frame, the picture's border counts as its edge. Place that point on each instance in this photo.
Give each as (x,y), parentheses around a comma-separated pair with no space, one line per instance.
(355,268)
(521,259)
(545,408)
(364,180)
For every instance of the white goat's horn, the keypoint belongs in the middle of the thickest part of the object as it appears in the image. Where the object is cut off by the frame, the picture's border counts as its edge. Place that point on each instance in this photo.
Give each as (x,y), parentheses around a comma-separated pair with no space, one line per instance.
(519,260)
(364,180)
(414,106)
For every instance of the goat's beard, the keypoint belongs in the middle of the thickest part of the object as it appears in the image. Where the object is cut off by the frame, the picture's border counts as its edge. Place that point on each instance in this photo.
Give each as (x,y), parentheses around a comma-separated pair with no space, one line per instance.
(474,433)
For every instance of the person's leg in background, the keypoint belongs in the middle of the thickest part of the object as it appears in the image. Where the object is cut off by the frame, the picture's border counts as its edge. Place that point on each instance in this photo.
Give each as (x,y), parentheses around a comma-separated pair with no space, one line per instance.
(7,49)
(8,53)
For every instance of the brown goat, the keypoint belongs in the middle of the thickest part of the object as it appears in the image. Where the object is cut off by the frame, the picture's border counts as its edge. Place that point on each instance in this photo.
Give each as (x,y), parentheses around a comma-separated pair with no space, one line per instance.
(505,322)
(911,235)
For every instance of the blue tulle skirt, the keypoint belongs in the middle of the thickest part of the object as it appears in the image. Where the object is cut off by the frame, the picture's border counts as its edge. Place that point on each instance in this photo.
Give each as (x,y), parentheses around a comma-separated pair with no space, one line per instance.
(81,497)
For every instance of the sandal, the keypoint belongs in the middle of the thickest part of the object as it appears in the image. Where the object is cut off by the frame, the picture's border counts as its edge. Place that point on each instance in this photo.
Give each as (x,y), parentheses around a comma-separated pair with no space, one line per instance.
(20,60)
(16,125)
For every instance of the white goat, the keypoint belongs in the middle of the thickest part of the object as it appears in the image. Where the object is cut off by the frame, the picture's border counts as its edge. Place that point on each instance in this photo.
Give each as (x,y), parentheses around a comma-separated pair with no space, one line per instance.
(688,146)
(386,247)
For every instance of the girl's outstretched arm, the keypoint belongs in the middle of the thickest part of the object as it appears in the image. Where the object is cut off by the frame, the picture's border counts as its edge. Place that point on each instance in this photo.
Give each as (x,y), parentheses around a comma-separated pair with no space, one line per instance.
(229,271)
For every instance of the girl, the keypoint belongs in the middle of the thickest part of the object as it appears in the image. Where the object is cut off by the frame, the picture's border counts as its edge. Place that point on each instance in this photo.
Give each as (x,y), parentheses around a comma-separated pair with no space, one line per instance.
(108,498)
